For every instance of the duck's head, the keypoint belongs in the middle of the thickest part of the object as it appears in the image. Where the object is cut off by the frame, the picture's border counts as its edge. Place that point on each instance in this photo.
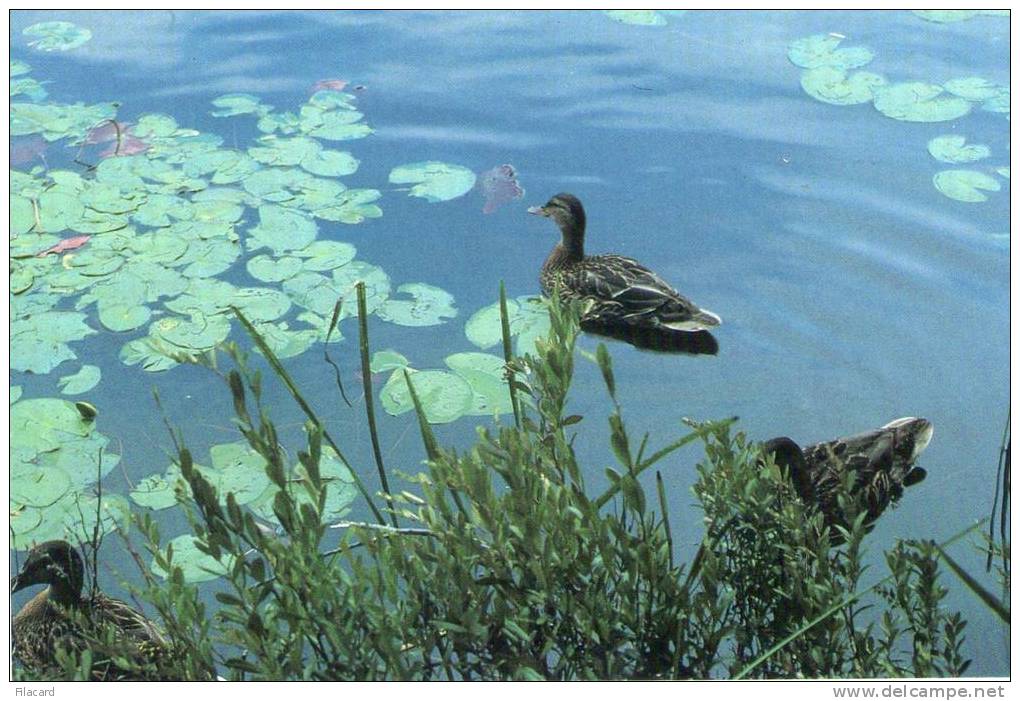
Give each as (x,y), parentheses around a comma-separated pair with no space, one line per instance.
(567,212)
(55,563)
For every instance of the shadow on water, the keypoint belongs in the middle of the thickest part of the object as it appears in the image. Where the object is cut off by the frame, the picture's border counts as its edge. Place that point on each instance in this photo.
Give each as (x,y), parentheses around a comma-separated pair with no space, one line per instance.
(658,340)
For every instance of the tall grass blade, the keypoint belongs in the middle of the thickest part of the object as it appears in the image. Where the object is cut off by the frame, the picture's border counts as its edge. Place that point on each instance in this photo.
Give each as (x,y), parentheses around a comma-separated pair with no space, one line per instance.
(325,349)
(989,599)
(508,355)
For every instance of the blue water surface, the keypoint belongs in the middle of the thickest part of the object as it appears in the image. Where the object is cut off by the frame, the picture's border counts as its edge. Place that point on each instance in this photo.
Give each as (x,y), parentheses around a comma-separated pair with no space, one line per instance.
(852,291)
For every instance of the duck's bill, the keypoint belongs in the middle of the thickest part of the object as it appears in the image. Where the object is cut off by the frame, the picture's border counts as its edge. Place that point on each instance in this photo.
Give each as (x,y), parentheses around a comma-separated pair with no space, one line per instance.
(921,430)
(540,211)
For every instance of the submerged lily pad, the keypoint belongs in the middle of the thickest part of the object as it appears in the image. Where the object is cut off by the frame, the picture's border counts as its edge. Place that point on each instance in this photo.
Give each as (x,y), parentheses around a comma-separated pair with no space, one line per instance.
(820,50)
(951,148)
(436,181)
(919,102)
(833,85)
(444,396)
(429,306)
(57,36)
(194,564)
(81,381)
(965,185)
(642,17)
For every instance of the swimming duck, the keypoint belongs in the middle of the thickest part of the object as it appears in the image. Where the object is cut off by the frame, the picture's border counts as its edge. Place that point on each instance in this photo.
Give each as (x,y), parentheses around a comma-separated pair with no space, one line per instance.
(623,296)
(48,621)
(883,460)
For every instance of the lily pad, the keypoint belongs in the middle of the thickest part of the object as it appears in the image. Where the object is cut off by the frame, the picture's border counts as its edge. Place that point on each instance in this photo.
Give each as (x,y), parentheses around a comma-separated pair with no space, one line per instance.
(81,381)
(326,255)
(261,303)
(46,424)
(387,360)
(150,353)
(444,396)
(15,393)
(268,269)
(377,286)
(238,103)
(641,17)
(236,469)
(194,564)
(943,16)
(973,88)
(123,316)
(284,341)
(528,320)
(834,86)
(484,374)
(951,148)
(39,342)
(429,306)
(37,485)
(57,36)
(340,490)
(282,229)
(352,207)
(965,185)
(820,50)
(436,181)
(158,491)
(919,102)
(1004,172)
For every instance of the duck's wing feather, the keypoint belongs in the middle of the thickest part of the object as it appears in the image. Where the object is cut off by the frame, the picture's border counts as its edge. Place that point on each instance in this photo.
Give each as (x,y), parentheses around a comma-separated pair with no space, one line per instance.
(632,294)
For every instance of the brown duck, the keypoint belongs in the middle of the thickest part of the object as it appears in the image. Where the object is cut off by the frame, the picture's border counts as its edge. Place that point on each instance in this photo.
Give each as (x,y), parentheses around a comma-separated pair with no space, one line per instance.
(59,616)
(622,297)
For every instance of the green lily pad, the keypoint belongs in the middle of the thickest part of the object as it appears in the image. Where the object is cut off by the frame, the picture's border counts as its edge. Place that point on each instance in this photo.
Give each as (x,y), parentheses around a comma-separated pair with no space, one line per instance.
(268,269)
(999,103)
(641,17)
(528,319)
(39,342)
(81,381)
(428,306)
(237,103)
(444,396)
(340,490)
(209,258)
(484,373)
(15,393)
(37,485)
(194,564)
(57,36)
(919,102)
(236,469)
(973,88)
(943,16)
(198,333)
(125,316)
(834,86)
(22,278)
(73,518)
(312,291)
(284,341)
(22,215)
(351,207)
(261,303)
(965,185)
(387,360)
(1004,172)
(159,491)
(436,181)
(819,50)
(19,68)
(30,88)
(336,126)
(23,521)
(150,353)
(950,148)
(326,255)
(46,424)
(282,229)
(331,163)
(377,287)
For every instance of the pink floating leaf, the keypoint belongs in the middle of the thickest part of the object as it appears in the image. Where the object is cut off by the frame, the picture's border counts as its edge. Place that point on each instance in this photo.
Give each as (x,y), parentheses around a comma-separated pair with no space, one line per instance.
(65,245)
(128,146)
(26,150)
(336,84)
(499,186)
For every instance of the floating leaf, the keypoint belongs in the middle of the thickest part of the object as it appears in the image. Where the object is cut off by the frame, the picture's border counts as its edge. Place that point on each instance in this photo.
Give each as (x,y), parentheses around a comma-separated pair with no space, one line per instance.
(820,50)
(15,393)
(19,68)
(158,491)
(387,360)
(284,341)
(429,306)
(943,16)
(123,316)
(999,103)
(326,255)
(194,564)
(528,319)
(46,424)
(150,353)
(236,469)
(22,215)
(484,373)
(237,103)
(377,286)
(352,207)
(37,485)
(919,102)
(965,185)
(57,36)
(444,396)
(436,181)
(261,303)
(39,342)
(973,88)
(951,149)
(499,186)
(200,332)
(1004,172)
(268,269)
(642,17)
(81,381)
(834,86)
(282,229)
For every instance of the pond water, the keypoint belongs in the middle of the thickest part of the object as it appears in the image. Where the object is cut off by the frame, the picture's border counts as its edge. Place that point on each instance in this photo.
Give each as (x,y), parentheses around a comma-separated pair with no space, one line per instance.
(772,166)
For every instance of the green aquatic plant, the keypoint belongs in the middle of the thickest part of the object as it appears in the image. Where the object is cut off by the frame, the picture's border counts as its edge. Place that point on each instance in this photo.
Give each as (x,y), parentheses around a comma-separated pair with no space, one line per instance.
(642,17)
(435,181)
(945,16)
(919,102)
(953,148)
(428,306)
(965,185)
(837,87)
(56,36)
(86,378)
(820,51)
(528,321)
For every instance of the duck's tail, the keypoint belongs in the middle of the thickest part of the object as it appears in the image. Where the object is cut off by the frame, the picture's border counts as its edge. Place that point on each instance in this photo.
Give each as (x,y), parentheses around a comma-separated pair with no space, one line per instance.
(660,339)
